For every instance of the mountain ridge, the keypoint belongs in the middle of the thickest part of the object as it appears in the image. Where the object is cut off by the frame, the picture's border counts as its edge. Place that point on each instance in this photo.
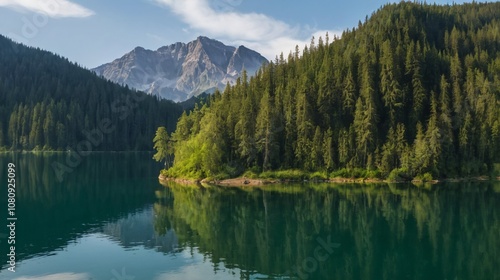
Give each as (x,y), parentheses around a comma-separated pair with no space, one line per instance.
(180,71)
(48,103)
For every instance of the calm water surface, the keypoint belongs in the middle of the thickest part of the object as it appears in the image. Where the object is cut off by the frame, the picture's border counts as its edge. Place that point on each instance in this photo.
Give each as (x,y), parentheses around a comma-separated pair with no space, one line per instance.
(109,218)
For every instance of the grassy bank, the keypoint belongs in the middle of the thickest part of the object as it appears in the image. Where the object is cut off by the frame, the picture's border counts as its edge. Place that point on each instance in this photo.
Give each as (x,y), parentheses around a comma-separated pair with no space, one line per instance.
(345,174)
(254,177)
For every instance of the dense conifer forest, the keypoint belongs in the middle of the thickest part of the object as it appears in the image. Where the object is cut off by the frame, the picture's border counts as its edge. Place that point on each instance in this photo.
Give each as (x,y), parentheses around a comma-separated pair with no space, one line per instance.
(412,90)
(49,103)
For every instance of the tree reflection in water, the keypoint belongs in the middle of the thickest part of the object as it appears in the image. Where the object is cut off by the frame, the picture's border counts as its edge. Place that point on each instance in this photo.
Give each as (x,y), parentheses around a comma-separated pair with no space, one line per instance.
(384,231)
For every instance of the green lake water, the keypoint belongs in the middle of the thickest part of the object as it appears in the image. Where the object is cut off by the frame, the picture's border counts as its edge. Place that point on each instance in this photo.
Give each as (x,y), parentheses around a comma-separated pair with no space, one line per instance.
(107,217)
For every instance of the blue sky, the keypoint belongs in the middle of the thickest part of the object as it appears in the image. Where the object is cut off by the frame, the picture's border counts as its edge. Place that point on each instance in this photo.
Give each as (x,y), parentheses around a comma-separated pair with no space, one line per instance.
(94,32)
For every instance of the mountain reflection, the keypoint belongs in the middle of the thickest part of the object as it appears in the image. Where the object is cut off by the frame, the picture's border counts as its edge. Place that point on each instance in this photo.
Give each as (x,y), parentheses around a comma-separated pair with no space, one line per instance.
(137,230)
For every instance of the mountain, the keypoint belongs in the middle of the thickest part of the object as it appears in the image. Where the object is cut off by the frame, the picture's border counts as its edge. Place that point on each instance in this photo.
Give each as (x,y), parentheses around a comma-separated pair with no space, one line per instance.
(49,103)
(180,71)
(413,91)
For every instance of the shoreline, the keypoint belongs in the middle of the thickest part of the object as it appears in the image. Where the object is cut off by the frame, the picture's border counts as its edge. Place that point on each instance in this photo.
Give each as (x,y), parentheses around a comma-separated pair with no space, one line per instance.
(247,182)
(69,152)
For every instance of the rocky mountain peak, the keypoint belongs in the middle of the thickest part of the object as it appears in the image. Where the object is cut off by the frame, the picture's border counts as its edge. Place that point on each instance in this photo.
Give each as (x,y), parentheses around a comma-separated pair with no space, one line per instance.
(182,70)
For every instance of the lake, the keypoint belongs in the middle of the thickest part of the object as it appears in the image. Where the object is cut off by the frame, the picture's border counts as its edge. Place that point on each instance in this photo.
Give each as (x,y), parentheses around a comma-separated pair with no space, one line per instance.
(106,216)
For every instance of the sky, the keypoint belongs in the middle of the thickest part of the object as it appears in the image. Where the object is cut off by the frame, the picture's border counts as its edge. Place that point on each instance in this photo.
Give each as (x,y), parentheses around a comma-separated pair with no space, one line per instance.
(94,32)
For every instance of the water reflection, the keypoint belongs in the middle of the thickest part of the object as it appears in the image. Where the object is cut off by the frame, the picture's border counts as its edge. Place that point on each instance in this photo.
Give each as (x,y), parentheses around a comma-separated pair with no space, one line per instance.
(111,213)
(384,232)
(137,230)
(51,214)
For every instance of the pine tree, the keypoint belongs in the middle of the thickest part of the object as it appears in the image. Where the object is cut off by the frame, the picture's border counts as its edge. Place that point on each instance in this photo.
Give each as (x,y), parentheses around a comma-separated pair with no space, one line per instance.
(421,156)
(49,130)
(245,127)
(305,126)
(12,132)
(433,136)
(317,150)
(447,156)
(265,131)
(349,94)
(163,146)
(389,81)
(329,156)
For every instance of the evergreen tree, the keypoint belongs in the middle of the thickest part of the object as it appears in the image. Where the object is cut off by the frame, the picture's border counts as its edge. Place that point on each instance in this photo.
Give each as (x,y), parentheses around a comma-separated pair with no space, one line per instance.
(162,146)
(265,131)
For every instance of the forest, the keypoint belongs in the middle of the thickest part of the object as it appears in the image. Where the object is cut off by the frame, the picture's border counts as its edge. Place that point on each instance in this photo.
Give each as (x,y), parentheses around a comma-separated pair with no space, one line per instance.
(48,103)
(411,92)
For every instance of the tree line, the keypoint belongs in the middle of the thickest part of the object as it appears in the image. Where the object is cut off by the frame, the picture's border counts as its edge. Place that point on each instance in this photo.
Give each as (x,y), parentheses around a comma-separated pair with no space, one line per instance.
(412,90)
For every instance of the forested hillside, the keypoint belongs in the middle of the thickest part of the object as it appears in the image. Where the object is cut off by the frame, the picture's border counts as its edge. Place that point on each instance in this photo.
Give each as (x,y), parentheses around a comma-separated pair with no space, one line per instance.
(414,89)
(48,103)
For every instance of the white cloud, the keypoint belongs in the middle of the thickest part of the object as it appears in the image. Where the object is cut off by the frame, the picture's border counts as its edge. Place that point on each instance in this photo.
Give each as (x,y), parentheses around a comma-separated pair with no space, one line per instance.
(252,26)
(257,31)
(51,8)
(284,44)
